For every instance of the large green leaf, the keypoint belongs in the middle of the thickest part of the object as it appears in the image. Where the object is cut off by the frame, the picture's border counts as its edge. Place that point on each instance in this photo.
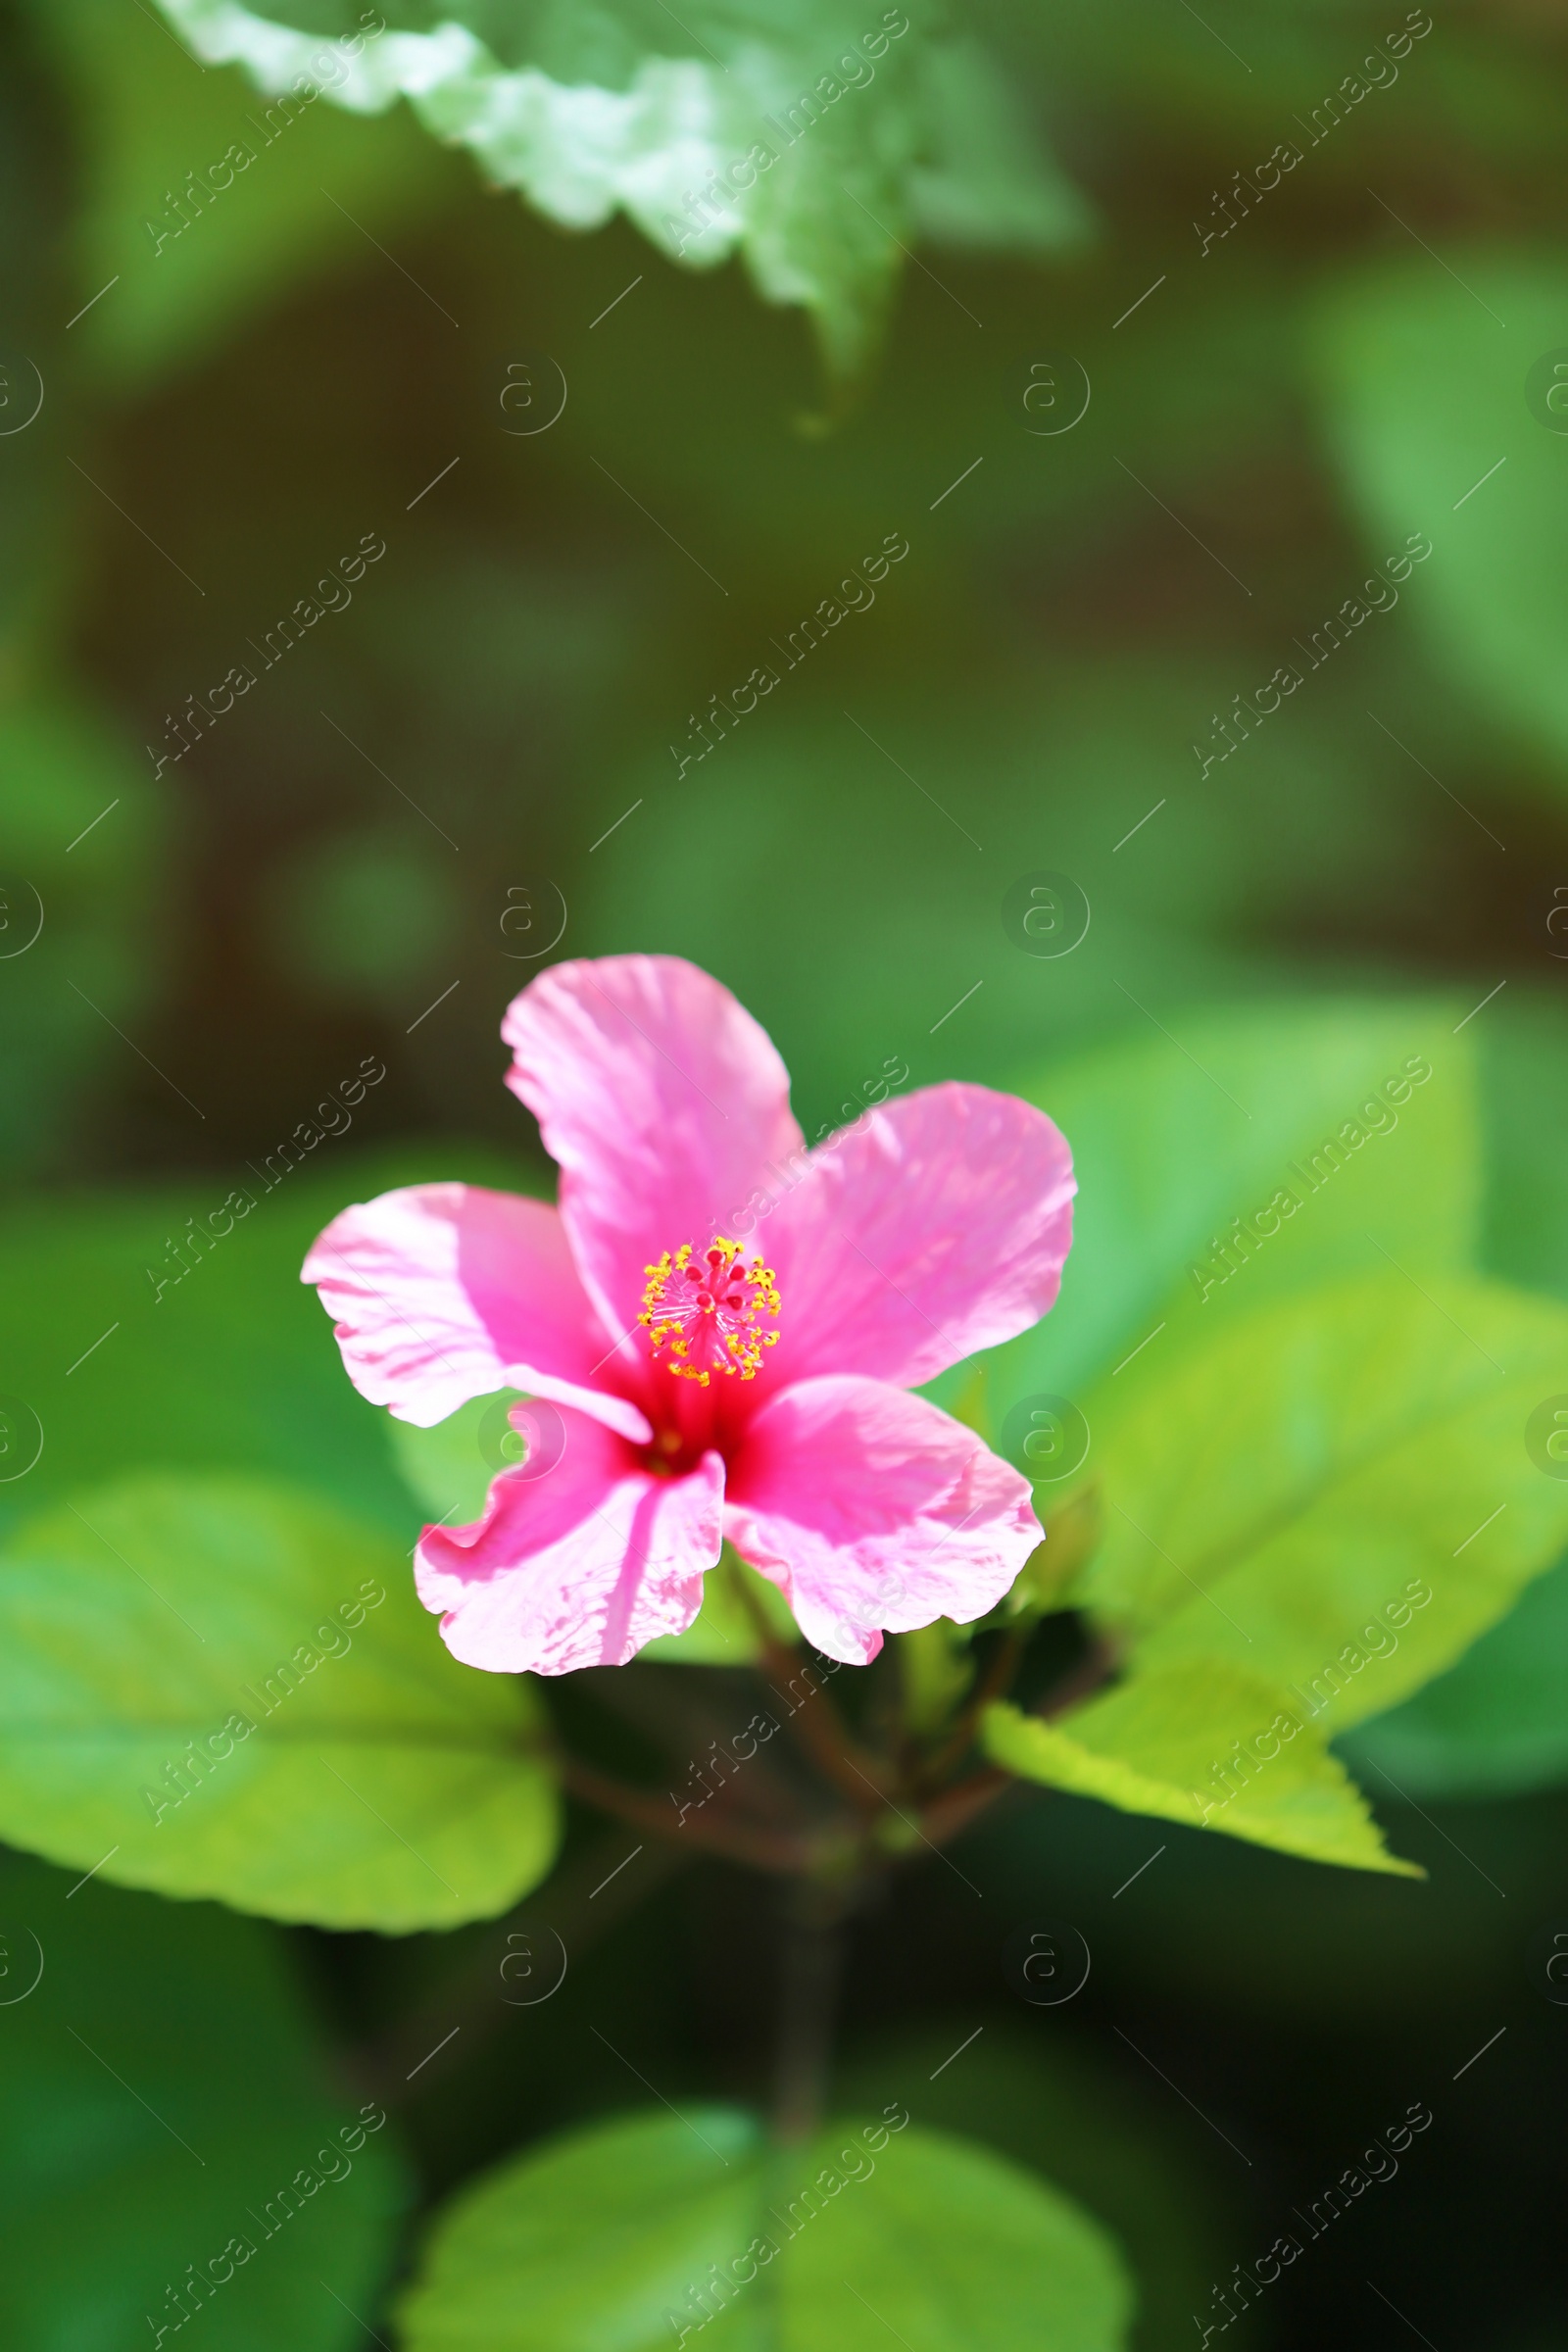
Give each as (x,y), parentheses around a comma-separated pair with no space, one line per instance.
(1174,1138)
(159,2091)
(1284,1496)
(616,2236)
(346,1770)
(1495,1724)
(1437,426)
(1304,1519)
(872,127)
(1157,1745)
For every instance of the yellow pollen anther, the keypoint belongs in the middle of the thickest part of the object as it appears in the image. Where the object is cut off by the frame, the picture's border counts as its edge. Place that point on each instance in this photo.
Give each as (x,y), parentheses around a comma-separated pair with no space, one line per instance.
(701,1310)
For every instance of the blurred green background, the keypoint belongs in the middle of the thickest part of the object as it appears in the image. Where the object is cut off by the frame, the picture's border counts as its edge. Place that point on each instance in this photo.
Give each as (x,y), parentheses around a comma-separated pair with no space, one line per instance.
(475,761)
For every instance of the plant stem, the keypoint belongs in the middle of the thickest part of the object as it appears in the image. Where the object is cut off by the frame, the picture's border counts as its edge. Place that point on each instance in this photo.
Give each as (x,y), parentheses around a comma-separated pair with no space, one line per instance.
(816,1724)
(998,1677)
(809,1998)
(957,1807)
(781,1850)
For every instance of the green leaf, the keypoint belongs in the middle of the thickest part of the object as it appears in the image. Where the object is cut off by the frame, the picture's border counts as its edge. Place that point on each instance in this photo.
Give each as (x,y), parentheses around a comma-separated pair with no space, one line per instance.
(1425,378)
(616,2236)
(1175,1138)
(157,2092)
(346,1770)
(1495,1724)
(839,138)
(1333,1493)
(1158,1744)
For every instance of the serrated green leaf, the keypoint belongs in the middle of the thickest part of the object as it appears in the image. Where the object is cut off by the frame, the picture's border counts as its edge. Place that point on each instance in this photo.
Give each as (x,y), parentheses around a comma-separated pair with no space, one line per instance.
(615,2238)
(810,142)
(1424,375)
(1158,1744)
(348,1772)
(1283,1497)
(159,2088)
(1176,1140)
(1495,1724)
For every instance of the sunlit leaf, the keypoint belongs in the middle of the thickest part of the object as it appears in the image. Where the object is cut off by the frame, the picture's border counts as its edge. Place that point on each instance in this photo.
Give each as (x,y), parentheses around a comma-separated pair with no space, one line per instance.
(630,2232)
(1334,1494)
(1160,1744)
(1495,1724)
(227,1687)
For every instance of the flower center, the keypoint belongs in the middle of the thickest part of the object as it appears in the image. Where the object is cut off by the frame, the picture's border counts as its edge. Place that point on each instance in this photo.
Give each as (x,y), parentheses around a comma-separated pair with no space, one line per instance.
(702,1313)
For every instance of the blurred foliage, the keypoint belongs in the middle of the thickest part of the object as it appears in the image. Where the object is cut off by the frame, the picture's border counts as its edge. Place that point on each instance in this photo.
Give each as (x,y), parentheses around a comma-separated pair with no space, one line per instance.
(770,141)
(1446,415)
(85,835)
(235,2130)
(242,903)
(151,120)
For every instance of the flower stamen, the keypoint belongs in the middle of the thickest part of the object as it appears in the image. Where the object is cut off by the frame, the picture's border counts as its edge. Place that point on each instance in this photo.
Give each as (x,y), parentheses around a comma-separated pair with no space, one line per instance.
(703,1312)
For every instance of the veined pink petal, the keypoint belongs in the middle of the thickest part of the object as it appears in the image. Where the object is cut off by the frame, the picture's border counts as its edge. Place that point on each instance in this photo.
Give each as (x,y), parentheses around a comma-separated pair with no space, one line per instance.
(579,1568)
(872,1510)
(936,1228)
(663,1103)
(443,1292)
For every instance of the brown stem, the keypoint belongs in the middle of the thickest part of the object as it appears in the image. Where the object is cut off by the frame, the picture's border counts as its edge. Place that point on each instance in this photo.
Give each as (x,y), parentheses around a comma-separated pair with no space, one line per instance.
(818,1729)
(998,1677)
(759,1848)
(957,1807)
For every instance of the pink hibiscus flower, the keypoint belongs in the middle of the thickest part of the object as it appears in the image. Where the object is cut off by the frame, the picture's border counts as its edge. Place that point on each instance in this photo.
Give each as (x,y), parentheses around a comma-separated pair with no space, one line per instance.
(703,1392)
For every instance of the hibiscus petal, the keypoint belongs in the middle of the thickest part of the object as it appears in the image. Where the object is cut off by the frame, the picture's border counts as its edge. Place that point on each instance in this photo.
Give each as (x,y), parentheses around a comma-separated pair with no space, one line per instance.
(872,1509)
(662,1099)
(443,1292)
(937,1227)
(579,1568)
